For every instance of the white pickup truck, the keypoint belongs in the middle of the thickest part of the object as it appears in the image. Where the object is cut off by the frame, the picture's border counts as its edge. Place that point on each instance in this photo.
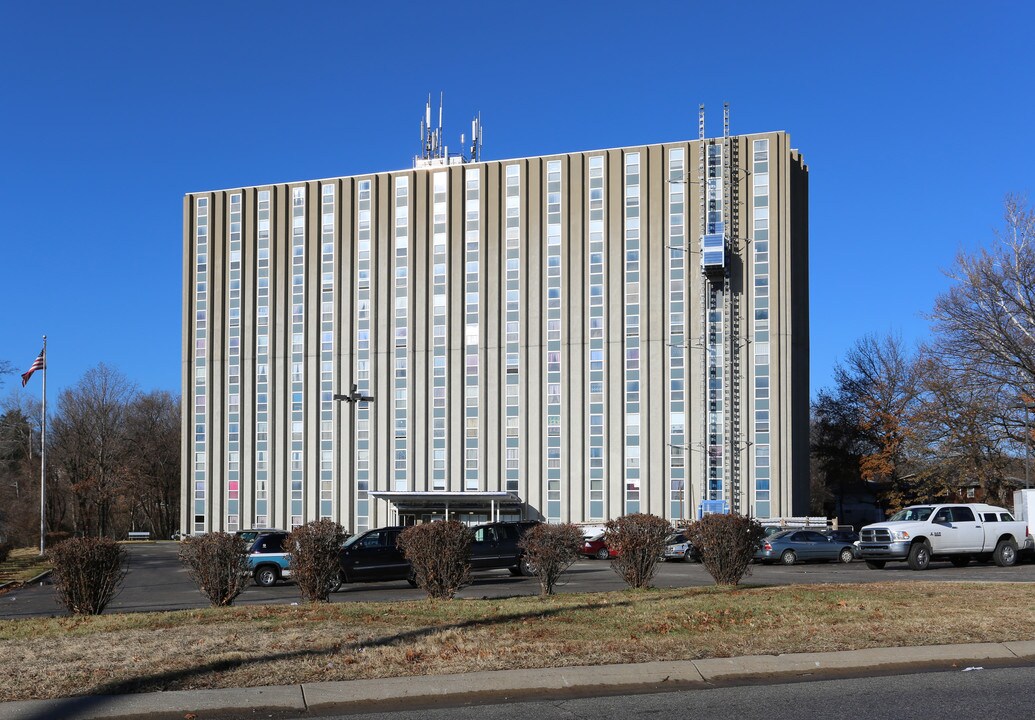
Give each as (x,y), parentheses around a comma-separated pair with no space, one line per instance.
(959,533)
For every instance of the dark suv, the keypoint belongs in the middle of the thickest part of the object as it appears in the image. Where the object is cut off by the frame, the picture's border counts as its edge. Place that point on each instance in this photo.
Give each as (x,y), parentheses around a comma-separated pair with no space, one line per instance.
(495,545)
(374,555)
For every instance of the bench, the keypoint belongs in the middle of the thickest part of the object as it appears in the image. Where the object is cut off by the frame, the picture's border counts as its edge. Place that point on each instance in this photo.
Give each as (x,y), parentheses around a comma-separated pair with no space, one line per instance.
(140,535)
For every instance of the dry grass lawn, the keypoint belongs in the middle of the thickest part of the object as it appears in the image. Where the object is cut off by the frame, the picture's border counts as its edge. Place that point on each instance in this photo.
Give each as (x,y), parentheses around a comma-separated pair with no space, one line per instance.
(278,645)
(21,565)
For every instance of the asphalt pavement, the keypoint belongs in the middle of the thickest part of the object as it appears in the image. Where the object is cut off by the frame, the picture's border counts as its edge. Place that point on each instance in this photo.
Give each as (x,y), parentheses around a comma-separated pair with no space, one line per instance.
(156,581)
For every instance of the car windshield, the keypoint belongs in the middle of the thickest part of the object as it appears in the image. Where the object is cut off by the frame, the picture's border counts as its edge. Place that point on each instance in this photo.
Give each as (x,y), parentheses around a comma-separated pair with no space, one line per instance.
(912,513)
(675,539)
(352,539)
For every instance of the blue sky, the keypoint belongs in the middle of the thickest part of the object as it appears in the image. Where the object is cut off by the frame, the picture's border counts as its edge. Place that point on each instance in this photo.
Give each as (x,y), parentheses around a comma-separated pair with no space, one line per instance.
(915,120)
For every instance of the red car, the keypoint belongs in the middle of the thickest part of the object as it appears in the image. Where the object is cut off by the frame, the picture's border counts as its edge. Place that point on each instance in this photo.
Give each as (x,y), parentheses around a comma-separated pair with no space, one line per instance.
(595,547)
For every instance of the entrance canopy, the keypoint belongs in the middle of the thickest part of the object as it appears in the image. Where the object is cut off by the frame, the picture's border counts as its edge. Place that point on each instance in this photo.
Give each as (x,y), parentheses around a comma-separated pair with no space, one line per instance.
(449,504)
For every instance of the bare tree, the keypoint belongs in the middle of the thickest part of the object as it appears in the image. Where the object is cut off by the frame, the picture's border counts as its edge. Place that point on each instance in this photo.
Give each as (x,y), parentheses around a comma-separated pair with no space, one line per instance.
(985,340)
(985,323)
(152,462)
(90,445)
(19,475)
(961,426)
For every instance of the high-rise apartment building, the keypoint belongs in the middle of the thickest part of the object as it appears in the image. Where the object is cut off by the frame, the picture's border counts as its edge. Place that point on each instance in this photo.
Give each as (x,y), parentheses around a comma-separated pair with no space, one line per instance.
(571,337)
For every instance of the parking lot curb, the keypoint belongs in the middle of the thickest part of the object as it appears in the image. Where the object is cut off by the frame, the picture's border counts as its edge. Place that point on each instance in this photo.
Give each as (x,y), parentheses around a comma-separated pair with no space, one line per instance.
(174,703)
(759,666)
(526,684)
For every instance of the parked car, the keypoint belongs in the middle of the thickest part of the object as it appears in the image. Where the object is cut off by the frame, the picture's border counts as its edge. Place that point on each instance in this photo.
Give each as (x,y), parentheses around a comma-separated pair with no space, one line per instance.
(842,535)
(495,545)
(679,547)
(250,535)
(595,547)
(790,546)
(372,556)
(375,555)
(267,560)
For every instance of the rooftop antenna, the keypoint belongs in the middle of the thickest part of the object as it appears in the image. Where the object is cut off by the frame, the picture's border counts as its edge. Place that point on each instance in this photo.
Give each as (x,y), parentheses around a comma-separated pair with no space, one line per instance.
(476,138)
(431,138)
(433,152)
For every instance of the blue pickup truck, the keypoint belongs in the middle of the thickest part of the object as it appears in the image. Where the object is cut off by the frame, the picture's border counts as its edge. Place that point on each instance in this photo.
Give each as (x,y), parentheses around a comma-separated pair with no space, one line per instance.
(267,560)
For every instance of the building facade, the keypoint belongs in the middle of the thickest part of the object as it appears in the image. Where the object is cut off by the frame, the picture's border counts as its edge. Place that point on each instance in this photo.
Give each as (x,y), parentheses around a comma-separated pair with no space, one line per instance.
(570,338)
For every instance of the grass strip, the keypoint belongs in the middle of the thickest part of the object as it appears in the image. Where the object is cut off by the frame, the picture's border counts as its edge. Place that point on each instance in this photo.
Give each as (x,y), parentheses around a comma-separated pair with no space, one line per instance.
(280,644)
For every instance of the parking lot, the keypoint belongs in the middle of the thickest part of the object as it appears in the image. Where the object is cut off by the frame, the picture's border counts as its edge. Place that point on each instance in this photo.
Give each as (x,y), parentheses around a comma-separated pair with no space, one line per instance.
(156,581)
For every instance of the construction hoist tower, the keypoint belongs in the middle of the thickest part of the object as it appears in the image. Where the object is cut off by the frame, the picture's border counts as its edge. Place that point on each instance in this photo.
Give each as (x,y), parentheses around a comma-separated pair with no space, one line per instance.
(718,170)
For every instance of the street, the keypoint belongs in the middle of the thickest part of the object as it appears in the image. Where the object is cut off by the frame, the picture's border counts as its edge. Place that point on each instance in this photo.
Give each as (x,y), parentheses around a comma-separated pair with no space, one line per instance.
(992,693)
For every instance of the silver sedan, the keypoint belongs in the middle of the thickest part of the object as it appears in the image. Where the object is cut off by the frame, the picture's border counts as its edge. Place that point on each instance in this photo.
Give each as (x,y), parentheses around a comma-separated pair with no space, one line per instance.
(790,546)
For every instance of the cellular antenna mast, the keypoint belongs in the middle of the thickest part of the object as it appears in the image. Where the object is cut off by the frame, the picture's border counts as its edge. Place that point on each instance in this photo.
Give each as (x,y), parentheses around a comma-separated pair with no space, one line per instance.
(433,152)
(476,138)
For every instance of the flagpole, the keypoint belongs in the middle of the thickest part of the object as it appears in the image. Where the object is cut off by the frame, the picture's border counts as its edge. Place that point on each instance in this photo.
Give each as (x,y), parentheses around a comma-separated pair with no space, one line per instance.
(43,456)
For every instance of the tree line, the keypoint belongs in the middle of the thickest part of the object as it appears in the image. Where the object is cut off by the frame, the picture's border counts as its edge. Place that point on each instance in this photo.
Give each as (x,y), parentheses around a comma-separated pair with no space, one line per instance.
(921,424)
(113,461)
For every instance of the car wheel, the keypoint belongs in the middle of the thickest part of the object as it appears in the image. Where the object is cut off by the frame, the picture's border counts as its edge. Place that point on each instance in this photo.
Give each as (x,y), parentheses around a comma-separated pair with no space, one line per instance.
(960,560)
(688,556)
(919,556)
(876,564)
(788,557)
(1005,553)
(603,554)
(526,569)
(266,575)
(412,579)
(846,555)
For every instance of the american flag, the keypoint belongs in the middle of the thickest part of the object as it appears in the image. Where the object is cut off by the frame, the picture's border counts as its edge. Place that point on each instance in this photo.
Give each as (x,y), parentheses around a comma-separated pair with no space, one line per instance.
(40,363)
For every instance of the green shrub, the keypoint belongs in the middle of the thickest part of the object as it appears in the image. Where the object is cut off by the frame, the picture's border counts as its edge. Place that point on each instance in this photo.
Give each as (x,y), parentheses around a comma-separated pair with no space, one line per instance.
(87,573)
(314,549)
(549,551)
(639,540)
(440,556)
(218,563)
(725,544)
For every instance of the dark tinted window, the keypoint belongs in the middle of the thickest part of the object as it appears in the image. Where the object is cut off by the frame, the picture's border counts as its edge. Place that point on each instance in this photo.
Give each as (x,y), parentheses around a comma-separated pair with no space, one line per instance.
(990,517)
(269,544)
(1006,517)
(484,534)
(507,532)
(962,514)
(371,540)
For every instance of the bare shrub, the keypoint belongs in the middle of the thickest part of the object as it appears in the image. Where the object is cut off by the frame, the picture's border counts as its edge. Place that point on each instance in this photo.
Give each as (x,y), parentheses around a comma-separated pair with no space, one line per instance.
(87,573)
(725,544)
(55,538)
(218,563)
(440,556)
(549,551)
(639,540)
(314,549)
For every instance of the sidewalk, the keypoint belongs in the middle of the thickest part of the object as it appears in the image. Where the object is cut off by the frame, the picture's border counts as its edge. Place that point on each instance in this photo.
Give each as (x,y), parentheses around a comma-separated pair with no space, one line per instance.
(525,684)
